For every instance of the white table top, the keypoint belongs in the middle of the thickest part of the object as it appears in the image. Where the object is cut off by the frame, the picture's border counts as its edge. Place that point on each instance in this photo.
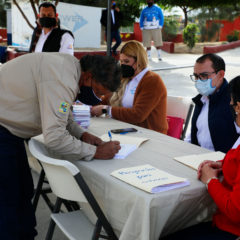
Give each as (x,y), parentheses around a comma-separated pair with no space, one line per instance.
(133,213)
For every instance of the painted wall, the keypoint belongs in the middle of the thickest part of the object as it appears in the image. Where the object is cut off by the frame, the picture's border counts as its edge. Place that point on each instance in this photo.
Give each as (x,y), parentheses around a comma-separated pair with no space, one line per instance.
(227,27)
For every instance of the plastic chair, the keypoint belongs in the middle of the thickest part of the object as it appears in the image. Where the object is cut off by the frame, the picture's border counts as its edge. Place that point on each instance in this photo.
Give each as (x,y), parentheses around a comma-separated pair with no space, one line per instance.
(180,107)
(39,190)
(67,183)
(175,126)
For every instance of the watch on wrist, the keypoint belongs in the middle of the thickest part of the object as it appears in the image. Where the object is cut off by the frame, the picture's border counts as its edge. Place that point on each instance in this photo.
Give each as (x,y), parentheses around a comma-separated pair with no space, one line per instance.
(104,111)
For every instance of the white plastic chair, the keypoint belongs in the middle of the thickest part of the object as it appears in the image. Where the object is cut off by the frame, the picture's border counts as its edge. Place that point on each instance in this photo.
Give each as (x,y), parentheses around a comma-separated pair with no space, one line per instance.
(67,183)
(180,107)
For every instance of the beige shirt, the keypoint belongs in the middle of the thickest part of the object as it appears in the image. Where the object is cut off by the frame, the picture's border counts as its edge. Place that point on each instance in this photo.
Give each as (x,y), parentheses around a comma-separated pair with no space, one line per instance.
(36,93)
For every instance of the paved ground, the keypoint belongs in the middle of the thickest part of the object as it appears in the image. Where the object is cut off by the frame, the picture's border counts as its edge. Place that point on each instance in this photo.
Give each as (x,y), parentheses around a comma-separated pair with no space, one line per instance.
(175,74)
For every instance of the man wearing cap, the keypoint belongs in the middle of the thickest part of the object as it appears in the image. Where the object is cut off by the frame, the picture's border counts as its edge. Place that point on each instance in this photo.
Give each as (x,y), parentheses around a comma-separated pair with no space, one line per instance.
(151,23)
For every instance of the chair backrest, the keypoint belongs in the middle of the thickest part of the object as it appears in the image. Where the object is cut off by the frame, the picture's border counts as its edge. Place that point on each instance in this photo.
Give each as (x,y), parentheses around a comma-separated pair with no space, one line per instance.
(180,107)
(175,126)
(60,173)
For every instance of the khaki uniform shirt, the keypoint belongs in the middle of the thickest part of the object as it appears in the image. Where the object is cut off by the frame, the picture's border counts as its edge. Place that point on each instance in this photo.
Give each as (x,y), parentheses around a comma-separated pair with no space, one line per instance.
(36,93)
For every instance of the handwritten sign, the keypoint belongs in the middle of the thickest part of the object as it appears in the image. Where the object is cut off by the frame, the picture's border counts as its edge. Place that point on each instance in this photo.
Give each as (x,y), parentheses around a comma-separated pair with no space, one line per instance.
(149,178)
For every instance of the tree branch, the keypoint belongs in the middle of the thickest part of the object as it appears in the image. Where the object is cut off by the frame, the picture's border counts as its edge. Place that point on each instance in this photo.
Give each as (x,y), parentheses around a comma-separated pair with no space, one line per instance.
(34,8)
(24,16)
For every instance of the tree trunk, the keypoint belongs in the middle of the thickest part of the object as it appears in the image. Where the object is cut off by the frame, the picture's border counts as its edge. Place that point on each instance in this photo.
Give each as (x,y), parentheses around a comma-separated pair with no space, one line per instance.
(185,16)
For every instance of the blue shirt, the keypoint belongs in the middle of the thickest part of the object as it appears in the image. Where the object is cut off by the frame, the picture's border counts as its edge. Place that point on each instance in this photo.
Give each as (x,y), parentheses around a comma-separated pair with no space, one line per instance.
(151,18)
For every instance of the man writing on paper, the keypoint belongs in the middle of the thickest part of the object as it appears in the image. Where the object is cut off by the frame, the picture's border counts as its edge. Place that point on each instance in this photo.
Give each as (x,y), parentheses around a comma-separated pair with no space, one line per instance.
(212,122)
(36,92)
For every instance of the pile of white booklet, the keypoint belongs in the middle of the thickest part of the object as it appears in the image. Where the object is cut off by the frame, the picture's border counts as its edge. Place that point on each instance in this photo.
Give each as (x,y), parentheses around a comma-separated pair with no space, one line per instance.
(149,178)
(81,114)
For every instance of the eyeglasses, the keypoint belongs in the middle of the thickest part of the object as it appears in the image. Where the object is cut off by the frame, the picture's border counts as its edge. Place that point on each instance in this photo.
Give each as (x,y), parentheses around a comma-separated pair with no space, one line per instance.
(201,76)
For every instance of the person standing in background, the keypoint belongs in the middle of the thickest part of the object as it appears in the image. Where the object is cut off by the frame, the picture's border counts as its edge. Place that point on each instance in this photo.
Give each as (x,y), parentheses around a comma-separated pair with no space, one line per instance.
(151,23)
(116,18)
(48,36)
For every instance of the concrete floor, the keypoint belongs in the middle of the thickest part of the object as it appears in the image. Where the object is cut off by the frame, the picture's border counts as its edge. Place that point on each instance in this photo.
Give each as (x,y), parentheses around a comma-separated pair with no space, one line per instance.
(175,75)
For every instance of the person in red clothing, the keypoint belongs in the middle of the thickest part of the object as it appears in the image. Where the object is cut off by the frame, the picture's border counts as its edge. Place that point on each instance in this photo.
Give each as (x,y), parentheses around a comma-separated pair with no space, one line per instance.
(225,224)
(142,97)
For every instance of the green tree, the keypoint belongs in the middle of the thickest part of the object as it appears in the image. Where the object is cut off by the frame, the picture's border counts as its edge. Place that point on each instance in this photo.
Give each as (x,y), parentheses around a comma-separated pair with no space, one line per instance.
(189,35)
(3,13)
(189,5)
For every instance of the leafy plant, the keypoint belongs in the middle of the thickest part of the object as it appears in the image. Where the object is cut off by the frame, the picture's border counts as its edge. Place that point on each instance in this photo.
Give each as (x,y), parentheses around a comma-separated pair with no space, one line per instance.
(189,35)
(234,36)
(170,28)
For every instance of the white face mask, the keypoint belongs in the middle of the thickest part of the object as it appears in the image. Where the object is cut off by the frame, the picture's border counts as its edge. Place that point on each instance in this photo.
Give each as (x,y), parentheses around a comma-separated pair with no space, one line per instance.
(205,87)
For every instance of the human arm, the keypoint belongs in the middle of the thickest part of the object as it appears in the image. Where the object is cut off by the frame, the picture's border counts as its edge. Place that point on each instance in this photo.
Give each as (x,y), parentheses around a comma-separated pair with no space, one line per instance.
(66,44)
(103,19)
(161,18)
(211,164)
(141,20)
(151,92)
(226,195)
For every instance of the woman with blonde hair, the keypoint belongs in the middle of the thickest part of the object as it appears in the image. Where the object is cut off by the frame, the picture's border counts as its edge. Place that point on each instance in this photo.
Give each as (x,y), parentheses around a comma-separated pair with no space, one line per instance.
(142,96)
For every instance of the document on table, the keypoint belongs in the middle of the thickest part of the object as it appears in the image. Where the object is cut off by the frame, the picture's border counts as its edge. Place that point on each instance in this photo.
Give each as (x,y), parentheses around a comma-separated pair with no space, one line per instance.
(128,144)
(149,178)
(195,160)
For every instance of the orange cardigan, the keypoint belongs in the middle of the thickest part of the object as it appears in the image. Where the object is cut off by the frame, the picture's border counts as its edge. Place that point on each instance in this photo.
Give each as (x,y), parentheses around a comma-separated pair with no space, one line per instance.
(149,105)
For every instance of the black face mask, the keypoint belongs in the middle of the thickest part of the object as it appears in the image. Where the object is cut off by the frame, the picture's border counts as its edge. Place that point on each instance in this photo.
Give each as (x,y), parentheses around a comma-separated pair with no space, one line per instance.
(233,112)
(87,96)
(127,71)
(150,4)
(48,22)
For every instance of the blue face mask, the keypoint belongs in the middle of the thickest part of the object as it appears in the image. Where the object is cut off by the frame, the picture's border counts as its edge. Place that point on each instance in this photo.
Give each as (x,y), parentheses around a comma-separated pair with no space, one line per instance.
(205,87)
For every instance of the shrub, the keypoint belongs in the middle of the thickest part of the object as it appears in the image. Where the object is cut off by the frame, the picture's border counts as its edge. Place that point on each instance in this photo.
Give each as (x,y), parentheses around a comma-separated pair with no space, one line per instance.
(189,35)
(234,36)
(170,28)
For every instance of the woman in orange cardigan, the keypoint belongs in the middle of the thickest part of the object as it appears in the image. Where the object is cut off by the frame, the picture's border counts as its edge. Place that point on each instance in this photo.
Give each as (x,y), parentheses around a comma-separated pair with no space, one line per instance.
(142,96)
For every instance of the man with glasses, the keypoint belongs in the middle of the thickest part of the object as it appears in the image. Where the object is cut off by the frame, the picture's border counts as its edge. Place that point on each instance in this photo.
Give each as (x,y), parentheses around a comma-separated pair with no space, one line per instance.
(212,122)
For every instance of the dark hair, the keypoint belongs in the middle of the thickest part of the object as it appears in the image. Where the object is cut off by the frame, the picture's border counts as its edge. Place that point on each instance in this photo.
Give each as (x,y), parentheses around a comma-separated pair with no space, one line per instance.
(47,5)
(234,87)
(105,70)
(217,62)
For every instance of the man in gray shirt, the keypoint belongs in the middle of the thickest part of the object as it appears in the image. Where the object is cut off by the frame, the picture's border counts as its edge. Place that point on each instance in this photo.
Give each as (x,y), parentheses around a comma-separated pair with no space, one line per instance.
(36,93)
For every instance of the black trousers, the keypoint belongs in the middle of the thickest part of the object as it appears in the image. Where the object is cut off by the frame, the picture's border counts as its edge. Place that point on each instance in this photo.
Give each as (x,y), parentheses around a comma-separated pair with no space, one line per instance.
(17,218)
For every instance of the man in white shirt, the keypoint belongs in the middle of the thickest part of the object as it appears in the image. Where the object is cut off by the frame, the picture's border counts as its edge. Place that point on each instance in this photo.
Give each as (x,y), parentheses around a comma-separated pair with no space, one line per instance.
(48,36)
(212,122)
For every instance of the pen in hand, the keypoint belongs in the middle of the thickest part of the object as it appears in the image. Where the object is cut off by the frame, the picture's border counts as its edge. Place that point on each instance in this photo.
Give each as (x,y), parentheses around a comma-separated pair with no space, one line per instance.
(110,135)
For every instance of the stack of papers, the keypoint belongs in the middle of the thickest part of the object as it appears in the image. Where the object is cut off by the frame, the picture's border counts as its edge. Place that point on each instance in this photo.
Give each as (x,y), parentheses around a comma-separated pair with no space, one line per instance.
(128,144)
(149,178)
(81,115)
(195,160)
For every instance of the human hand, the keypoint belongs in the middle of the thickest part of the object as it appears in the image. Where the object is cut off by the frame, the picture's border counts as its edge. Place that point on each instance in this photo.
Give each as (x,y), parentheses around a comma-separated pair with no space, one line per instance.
(213,164)
(117,9)
(97,110)
(107,150)
(208,172)
(91,139)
